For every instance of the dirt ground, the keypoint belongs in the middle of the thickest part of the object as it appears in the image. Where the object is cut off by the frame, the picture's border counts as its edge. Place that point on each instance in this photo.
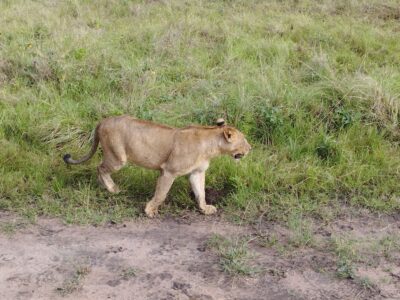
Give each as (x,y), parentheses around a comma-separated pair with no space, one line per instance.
(168,258)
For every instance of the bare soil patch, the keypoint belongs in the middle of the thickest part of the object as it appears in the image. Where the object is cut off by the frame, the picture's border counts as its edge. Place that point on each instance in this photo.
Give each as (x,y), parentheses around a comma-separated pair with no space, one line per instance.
(168,258)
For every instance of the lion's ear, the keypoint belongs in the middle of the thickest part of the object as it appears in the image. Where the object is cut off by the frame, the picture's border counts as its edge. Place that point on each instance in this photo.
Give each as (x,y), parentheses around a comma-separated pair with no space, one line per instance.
(220,122)
(228,134)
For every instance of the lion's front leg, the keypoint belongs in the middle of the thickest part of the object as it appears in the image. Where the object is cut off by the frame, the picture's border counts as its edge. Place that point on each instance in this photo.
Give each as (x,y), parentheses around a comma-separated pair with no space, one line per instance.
(197,181)
(164,183)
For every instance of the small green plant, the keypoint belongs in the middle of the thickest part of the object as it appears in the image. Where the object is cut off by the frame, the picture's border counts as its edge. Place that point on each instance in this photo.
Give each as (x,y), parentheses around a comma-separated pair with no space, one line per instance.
(269,240)
(234,255)
(129,273)
(268,121)
(74,283)
(389,245)
(367,283)
(345,248)
(346,253)
(345,269)
(301,231)
(327,150)
(8,228)
(342,118)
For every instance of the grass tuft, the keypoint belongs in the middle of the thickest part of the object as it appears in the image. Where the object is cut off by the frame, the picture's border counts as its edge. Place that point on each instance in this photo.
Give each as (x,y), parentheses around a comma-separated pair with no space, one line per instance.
(234,255)
(74,283)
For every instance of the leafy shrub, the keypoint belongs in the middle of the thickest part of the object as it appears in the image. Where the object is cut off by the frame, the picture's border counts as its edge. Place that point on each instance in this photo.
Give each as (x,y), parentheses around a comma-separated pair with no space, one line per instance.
(327,150)
(268,122)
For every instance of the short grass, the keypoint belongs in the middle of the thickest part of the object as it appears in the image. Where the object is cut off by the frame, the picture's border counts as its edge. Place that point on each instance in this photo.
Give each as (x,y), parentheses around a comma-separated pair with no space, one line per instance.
(129,273)
(366,251)
(352,253)
(11,226)
(234,255)
(74,283)
(314,85)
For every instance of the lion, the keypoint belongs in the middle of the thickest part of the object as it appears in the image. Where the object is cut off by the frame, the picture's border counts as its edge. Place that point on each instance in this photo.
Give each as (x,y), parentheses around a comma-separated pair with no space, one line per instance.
(172,151)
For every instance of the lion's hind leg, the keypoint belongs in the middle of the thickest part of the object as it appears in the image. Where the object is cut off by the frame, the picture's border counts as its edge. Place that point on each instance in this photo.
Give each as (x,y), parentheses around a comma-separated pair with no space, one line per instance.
(104,176)
(114,158)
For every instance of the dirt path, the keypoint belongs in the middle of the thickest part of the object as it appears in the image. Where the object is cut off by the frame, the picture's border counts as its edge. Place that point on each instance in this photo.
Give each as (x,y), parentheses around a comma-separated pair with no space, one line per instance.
(155,259)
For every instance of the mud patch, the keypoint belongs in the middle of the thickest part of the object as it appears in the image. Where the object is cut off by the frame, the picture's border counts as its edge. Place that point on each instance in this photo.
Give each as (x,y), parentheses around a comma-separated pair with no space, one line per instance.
(168,259)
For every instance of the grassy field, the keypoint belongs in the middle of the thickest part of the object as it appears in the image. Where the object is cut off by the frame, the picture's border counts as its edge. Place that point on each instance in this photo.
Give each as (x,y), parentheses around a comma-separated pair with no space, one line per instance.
(315,85)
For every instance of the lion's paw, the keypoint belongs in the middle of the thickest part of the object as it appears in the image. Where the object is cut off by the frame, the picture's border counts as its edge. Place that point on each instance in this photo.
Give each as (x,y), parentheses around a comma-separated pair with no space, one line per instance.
(115,190)
(209,210)
(150,211)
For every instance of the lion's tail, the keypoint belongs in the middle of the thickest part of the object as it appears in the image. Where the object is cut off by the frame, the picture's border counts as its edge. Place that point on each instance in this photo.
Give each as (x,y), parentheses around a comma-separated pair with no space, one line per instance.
(68,159)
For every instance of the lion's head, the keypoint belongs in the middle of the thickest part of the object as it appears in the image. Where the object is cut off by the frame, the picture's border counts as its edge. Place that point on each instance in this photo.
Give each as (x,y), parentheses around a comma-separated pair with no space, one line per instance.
(233,143)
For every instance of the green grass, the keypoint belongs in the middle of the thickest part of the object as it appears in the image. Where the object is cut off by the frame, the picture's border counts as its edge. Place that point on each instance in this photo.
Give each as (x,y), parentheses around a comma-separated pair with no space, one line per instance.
(301,234)
(129,273)
(234,255)
(367,250)
(351,253)
(74,283)
(314,85)
(10,226)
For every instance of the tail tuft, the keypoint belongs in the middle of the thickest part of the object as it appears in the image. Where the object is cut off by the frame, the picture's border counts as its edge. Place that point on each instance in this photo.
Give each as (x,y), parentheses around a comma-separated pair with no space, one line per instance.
(66,158)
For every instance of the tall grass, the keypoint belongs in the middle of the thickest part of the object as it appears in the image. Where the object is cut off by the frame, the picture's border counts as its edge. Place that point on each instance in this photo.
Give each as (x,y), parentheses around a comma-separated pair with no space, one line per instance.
(314,86)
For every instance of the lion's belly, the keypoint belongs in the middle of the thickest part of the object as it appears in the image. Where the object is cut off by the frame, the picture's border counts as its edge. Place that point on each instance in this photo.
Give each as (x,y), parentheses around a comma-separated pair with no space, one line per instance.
(147,160)
(149,150)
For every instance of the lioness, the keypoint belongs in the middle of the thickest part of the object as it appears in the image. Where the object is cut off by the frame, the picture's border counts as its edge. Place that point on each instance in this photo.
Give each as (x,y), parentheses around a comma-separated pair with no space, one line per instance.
(173,151)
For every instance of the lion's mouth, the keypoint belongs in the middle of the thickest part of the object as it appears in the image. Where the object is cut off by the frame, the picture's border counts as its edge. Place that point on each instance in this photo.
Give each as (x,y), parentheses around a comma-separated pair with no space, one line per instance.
(238,156)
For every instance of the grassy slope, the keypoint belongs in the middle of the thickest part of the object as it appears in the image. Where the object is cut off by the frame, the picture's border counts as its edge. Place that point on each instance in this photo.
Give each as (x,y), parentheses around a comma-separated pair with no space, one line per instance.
(314,86)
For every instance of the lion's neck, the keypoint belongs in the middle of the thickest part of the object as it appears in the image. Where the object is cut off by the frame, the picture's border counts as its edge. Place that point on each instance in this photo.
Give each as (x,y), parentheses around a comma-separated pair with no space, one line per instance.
(216,143)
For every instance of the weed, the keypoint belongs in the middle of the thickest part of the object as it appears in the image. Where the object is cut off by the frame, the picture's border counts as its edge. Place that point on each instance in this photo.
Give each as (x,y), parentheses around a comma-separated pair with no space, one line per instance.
(388,246)
(74,283)
(268,241)
(234,255)
(346,249)
(367,284)
(129,273)
(10,227)
(268,123)
(301,231)
(347,254)
(327,150)
(345,269)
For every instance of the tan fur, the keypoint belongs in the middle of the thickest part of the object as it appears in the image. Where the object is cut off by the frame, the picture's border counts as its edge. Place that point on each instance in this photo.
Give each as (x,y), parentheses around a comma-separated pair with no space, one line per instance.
(173,151)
